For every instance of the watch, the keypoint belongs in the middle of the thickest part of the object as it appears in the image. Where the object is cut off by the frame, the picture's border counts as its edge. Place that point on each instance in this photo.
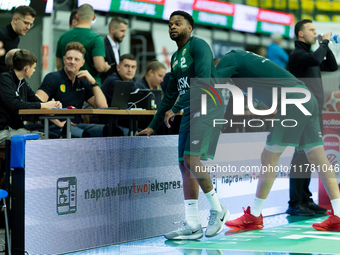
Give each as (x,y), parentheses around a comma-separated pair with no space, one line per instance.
(94,84)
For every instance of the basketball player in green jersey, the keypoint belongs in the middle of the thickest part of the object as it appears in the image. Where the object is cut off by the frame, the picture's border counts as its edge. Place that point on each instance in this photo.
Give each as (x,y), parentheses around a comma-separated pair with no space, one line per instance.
(193,59)
(250,70)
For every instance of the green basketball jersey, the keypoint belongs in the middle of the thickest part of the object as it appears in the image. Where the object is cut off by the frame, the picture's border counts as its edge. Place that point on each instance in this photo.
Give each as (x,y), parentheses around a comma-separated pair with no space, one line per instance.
(248,69)
(193,60)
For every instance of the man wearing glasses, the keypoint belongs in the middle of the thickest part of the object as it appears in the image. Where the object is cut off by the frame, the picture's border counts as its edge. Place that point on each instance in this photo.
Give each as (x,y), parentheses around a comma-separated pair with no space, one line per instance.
(22,21)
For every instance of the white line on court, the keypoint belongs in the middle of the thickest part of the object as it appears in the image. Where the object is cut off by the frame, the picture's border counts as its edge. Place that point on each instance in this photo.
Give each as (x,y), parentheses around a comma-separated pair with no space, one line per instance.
(310,236)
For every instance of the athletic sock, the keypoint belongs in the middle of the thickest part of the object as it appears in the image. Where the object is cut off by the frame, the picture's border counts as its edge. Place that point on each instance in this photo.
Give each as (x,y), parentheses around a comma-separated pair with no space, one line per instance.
(191,212)
(336,206)
(213,200)
(257,206)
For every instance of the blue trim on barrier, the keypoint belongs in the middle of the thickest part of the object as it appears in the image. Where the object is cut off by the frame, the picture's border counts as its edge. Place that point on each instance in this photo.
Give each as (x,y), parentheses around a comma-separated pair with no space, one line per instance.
(18,143)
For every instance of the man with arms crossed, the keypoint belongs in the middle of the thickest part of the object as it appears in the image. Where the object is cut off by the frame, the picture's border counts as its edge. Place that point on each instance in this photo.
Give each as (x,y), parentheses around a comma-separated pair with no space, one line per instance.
(193,59)
(262,75)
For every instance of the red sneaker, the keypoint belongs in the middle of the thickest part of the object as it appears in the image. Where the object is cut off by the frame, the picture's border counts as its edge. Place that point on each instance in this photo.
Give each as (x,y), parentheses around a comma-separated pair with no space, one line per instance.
(246,221)
(332,223)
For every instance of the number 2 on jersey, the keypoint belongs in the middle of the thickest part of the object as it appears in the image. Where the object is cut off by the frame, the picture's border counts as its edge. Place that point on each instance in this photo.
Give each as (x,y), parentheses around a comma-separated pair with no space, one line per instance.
(183,64)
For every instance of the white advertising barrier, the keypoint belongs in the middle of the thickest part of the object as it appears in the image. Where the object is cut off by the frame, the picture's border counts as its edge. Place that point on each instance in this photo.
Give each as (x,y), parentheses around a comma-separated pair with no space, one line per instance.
(331,141)
(86,193)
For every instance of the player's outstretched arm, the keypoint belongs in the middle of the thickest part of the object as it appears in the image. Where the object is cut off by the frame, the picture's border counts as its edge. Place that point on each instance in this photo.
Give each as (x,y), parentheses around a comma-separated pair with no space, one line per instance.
(148,131)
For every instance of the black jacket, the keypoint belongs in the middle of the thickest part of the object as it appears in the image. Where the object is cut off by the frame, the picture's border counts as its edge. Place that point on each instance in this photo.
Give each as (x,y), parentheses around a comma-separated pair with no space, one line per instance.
(15,95)
(307,66)
(110,58)
(11,40)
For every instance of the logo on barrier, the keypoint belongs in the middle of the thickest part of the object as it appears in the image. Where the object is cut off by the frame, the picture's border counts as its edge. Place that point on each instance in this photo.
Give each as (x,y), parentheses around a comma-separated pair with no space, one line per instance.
(332,148)
(66,195)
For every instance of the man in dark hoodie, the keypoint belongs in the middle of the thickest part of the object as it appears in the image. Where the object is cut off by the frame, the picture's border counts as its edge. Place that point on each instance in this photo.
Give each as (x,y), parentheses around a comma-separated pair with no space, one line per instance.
(16,94)
(307,66)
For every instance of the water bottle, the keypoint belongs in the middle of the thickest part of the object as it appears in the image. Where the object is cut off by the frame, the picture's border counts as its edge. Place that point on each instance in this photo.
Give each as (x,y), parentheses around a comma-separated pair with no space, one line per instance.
(335,38)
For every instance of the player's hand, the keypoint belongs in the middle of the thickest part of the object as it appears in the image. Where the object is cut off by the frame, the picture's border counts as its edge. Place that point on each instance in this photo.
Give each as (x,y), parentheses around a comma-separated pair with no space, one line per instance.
(51,104)
(327,36)
(169,115)
(58,104)
(148,131)
(84,74)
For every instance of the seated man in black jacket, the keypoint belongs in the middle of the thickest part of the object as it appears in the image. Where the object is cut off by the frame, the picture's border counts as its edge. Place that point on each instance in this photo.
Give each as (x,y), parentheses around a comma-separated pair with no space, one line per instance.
(16,94)
(126,70)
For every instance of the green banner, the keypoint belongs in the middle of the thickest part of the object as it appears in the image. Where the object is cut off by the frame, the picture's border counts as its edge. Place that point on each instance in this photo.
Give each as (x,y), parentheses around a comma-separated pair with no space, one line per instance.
(213,19)
(137,8)
(270,28)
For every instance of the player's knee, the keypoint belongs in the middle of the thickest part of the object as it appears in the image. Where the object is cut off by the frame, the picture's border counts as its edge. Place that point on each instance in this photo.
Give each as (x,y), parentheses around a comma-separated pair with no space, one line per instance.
(269,156)
(316,154)
(187,161)
(191,161)
(182,166)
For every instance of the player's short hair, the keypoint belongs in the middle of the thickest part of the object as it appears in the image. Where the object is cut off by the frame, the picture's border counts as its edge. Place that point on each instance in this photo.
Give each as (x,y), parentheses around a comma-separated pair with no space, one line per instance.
(23,58)
(75,46)
(85,12)
(72,16)
(154,65)
(299,26)
(9,58)
(186,15)
(127,56)
(115,21)
(25,10)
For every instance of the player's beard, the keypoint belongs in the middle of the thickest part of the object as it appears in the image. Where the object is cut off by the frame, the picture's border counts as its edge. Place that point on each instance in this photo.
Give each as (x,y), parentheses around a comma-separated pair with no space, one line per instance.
(178,38)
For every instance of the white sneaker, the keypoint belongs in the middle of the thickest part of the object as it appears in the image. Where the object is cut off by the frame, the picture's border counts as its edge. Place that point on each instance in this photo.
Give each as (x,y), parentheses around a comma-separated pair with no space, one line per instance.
(185,232)
(216,221)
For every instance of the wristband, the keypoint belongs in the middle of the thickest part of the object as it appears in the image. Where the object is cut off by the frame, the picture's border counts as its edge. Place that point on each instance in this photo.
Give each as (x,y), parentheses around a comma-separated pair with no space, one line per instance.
(94,84)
